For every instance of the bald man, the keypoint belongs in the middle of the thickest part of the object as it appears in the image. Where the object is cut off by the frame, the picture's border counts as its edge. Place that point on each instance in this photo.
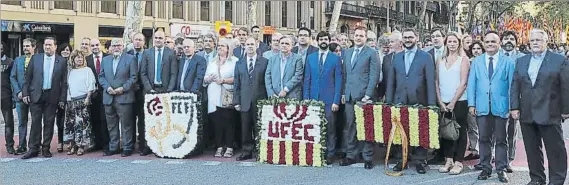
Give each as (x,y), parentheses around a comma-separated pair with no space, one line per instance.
(98,117)
(192,69)
(159,66)
(138,41)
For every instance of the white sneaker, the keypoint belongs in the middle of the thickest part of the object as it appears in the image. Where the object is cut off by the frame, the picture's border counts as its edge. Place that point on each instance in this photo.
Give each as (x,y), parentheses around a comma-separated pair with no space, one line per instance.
(219,152)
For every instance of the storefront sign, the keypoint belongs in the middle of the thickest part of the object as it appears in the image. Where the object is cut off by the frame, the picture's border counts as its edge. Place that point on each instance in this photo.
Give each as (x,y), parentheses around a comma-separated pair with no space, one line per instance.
(17,26)
(36,28)
(191,31)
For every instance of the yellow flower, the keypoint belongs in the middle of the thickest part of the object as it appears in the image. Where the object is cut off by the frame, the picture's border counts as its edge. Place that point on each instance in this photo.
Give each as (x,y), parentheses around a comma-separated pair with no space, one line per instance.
(360,129)
(413,126)
(302,154)
(433,129)
(288,152)
(396,117)
(378,123)
(316,155)
(276,151)
(263,151)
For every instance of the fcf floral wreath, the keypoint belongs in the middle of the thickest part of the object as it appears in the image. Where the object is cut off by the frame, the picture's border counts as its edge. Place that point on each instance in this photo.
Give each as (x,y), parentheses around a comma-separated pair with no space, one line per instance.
(291,132)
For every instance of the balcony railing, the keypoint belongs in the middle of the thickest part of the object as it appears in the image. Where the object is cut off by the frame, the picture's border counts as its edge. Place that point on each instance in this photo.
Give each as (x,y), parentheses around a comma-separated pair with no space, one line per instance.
(347,10)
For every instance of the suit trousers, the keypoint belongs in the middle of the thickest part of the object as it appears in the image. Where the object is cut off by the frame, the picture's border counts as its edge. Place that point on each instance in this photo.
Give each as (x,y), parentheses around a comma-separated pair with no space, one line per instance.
(512,138)
(490,125)
(331,136)
(340,122)
(42,112)
(138,118)
(23,111)
(249,129)
(552,137)
(116,112)
(8,116)
(60,121)
(472,133)
(99,121)
(353,147)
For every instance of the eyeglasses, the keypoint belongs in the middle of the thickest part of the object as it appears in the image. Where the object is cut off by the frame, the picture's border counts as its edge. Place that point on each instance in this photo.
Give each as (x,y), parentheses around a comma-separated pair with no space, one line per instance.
(116,45)
(285,43)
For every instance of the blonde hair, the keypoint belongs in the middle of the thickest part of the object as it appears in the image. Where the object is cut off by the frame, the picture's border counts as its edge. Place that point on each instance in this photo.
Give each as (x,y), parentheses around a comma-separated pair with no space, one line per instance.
(446,51)
(230,46)
(77,53)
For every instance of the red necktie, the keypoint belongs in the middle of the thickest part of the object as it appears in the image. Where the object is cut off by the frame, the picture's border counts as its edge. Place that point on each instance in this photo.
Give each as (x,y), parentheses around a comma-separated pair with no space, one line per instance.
(98,67)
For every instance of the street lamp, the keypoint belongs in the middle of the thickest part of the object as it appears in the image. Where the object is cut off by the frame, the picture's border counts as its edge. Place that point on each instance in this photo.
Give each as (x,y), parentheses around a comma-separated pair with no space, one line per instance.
(303,24)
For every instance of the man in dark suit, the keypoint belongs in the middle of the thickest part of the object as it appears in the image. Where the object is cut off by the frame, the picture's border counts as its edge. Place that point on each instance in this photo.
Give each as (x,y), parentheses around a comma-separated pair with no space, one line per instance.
(6,99)
(243,34)
(45,89)
(118,77)
(98,118)
(192,69)
(138,113)
(249,85)
(304,48)
(159,69)
(362,71)
(411,81)
(539,99)
(396,45)
(438,37)
(323,82)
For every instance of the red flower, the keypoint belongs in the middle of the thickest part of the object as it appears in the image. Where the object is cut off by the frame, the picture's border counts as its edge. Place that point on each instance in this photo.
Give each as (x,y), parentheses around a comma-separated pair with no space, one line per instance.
(424,128)
(309,153)
(276,111)
(302,114)
(404,113)
(368,123)
(295,147)
(386,123)
(270,151)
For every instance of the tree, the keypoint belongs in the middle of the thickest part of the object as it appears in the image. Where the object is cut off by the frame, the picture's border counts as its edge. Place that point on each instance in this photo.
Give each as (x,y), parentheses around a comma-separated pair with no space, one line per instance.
(252,13)
(335,17)
(421,25)
(134,19)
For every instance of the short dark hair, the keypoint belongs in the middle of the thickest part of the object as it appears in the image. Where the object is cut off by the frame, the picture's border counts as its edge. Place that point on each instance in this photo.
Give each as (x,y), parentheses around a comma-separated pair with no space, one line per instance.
(62,47)
(33,42)
(108,44)
(51,38)
(361,28)
(255,27)
(409,30)
(243,29)
(476,42)
(323,34)
(440,30)
(508,33)
(305,29)
(179,41)
(333,46)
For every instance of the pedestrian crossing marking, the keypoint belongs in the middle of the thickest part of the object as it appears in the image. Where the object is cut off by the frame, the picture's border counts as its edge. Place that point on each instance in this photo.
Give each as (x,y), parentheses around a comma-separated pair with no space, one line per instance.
(37,160)
(357,165)
(106,160)
(72,160)
(246,164)
(175,162)
(141,161)
(3,160)
(211,163)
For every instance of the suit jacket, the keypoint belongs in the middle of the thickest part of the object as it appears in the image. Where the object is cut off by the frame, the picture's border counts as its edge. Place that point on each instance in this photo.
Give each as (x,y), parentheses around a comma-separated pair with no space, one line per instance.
(34,79)
(385,69)
(138,85)
(311,49)
(480,89)
(124,77)
(515,54)
(323,84)
(260,50)
(169,68)
(17,76)
(362,77)
(415,87)
(91,64)
(291,79)
(545,101)
(249,90)
(202,54)
(195,73)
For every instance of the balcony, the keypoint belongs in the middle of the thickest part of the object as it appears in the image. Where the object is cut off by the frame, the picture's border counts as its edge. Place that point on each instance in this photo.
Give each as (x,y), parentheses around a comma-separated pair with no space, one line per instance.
(348,10)
(376,11)
(410,18)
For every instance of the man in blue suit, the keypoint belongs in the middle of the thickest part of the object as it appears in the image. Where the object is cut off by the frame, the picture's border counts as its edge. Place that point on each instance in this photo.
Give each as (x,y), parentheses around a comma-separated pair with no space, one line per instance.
(488,99)
(17,79)
(192,69)
(323,82)
(283,76)
(118,77)
(411,81)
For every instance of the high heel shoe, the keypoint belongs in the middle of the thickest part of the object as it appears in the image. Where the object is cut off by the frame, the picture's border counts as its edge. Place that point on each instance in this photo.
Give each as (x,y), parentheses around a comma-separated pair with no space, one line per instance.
(60,148)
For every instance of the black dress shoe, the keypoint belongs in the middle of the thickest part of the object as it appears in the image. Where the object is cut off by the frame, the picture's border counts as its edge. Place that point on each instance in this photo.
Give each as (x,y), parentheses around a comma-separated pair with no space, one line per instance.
(484,175)
(30,154)
(509,169)
(347,162)
(421,168)
(471,156)
(245,156)
(399,166)
(21,150)
(126,153)
(536,183)
(11,150)
(368,165)
(110,153)
(46,153)
(502,177)
(341,155)
(437,161)
(146,152)
(330,160)
(478,166)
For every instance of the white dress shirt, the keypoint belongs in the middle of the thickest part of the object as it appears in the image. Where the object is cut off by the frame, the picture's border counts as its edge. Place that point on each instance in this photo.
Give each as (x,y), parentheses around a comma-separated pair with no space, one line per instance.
(323,56)
(494,61)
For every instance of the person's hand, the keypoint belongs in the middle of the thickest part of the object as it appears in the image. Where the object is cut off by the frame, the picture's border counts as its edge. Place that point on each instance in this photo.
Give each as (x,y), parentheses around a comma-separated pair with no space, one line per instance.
(442,106)
(119,90)
(472,111)
(365,99)
(515,114)
(237,107)
(20,95)
(62,105)
(208,79)
(219,81)
(152,91)
(565,116)
(335,107)
(87,101)
(26,100)
(343,101)
(282,94)
(110,91)
(450,106)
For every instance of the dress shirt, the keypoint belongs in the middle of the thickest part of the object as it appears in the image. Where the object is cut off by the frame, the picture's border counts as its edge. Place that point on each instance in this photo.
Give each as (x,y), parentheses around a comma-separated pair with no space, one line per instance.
(494,60)
(116,63)
(409,57)
(253,59)
(534,65)
(209,56)
(157,62)
(355,54)
(184,70)
(283,66)
(323,56)
(49,62)
(439,52)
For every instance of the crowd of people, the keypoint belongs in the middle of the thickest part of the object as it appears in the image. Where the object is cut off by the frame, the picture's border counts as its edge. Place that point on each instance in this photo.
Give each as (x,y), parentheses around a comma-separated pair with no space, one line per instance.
(490,87)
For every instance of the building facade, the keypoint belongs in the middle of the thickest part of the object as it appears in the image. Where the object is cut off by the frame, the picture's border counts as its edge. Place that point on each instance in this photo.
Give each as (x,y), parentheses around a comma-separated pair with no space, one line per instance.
(69,21)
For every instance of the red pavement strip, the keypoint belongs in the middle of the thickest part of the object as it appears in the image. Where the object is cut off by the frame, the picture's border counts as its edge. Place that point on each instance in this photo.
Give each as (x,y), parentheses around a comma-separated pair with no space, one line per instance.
(520,161)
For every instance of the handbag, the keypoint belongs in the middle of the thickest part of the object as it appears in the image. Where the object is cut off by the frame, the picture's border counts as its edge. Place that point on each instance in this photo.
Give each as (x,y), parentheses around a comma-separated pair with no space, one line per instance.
(448,128)
(226,94)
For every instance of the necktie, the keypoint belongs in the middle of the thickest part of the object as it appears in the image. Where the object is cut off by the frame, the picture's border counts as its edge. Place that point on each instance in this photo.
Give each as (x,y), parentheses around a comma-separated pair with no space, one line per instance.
(98,64)
(242,52)
(321,61)
(355,57)
(47,74)
(407,61)
(250,66)
(159,67)
(490,68)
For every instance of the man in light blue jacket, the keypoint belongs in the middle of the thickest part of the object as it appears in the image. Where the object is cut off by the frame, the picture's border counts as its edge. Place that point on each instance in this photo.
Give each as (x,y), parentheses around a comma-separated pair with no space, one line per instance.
(488,99)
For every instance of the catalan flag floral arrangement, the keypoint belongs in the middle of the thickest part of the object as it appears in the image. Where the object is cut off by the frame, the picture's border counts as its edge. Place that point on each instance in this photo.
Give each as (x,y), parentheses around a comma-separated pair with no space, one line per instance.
(420,123)
(291,132)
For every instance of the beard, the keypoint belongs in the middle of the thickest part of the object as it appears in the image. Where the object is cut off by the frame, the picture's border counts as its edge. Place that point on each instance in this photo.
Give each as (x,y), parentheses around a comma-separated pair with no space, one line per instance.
(323,46)
(508,46)
(409,45)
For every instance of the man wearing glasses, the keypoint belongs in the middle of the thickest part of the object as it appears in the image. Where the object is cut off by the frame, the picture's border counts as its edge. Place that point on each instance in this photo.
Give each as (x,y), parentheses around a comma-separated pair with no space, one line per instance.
(284,72)
(304,48)
(94,61)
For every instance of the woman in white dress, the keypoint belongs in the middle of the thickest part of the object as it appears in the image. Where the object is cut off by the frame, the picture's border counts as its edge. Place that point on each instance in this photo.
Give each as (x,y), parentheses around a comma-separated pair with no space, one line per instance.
(81,84)
(219,82)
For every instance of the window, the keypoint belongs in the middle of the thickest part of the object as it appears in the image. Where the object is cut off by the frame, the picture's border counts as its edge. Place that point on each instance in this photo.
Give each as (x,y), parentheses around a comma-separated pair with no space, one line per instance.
(406,7)
(414,7)
(204,13)
(109,6)
(148,8)
(12,2)
(311,14)
(267,13)
(178,9)
(298,14)
(229,11)
(68,5)
(284,14)
(398,6)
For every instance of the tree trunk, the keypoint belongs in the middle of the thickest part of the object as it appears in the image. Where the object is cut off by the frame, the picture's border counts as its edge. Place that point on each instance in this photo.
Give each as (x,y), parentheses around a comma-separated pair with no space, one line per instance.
(251,13)
(335,17)
(452,14)
(388,15)
(471,8)
(134,19)
(422,19)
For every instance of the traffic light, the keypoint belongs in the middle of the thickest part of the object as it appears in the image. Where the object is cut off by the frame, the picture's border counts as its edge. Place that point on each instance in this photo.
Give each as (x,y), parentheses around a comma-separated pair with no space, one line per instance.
(222,27)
